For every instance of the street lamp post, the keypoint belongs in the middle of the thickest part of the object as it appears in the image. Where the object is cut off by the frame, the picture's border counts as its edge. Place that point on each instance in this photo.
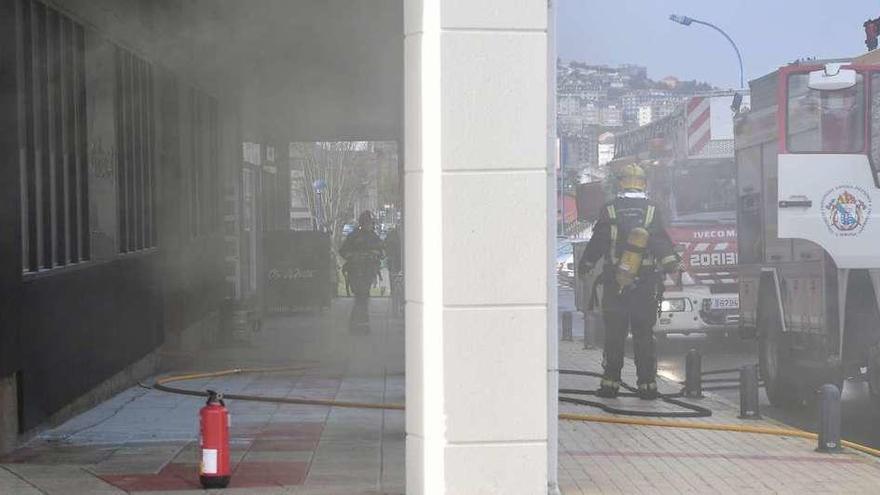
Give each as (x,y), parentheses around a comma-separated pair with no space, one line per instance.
(319,185)
(687,21)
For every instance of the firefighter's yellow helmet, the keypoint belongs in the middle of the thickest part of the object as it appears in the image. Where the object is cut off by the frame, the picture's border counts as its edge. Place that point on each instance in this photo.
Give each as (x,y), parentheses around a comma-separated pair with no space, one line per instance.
(632,177)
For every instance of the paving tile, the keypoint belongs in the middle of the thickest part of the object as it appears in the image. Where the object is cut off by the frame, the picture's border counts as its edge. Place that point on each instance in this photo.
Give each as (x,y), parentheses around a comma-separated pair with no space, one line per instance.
(137,459)
(269,473)
(62,479)
(58,453)
(13,483)
(347,489)
(174,476)
(279,455)
(291,429)
(284,444)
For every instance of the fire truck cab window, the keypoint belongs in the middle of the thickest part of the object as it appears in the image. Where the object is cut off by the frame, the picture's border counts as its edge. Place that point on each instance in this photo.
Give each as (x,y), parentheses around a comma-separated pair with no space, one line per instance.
(704,188)
(825,121)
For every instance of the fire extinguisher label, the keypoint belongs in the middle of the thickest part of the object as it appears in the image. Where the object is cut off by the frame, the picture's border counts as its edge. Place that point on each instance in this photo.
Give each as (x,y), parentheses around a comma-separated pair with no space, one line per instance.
(209,461)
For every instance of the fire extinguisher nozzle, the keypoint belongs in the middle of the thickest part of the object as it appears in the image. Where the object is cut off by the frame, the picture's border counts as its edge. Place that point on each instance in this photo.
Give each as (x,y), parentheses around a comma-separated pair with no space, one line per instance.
(214,397)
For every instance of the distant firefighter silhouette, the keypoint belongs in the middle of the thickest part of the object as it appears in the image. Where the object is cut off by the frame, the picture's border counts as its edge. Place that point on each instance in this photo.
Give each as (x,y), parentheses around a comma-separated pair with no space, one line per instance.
(362,251)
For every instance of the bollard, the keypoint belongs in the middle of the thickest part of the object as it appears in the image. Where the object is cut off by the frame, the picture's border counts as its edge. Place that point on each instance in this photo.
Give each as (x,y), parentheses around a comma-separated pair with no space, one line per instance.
(829,419)
(566,325)
(748,393)
(693,370)
(590,322)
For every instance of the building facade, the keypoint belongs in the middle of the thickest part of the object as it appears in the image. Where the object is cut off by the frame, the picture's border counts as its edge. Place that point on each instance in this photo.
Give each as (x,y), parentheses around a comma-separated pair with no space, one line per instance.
(147,171)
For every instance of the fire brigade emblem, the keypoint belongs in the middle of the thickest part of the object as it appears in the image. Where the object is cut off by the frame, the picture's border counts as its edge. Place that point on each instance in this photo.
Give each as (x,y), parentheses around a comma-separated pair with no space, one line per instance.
(846,210)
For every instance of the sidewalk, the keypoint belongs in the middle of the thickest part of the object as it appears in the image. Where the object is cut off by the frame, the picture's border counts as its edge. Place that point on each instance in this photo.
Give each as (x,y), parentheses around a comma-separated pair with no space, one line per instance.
(146,441)
(604,458)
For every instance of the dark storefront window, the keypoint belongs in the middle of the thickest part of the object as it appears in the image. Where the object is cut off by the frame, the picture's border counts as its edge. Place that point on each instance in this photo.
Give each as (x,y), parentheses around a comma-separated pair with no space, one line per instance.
(52,136)
(135,136)
(202,169)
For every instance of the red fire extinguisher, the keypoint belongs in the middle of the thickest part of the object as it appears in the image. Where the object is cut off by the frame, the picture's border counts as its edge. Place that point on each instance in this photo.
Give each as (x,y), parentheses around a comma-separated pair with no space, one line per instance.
(214,430)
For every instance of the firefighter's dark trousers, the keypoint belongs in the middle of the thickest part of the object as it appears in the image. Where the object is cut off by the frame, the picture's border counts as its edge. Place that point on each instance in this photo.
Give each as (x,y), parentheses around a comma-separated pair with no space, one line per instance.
(360,312)
(634,310)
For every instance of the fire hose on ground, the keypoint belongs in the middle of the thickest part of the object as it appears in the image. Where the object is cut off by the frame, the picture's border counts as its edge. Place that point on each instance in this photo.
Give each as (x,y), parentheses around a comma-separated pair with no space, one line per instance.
(161,386)
(691,412)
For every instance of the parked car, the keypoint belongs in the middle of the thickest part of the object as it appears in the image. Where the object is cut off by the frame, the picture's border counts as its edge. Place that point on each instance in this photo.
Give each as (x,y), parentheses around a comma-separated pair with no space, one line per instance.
(565,261)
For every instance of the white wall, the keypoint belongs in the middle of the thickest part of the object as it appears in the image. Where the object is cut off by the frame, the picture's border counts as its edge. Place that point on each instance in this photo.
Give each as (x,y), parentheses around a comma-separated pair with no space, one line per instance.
(479,181)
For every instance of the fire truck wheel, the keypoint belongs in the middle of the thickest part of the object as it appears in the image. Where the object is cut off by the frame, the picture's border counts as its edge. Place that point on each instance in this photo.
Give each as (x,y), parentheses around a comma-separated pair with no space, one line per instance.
(774,360)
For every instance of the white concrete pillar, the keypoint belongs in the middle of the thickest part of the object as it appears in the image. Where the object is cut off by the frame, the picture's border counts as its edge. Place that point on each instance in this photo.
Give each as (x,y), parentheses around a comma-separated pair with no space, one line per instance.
(479,237)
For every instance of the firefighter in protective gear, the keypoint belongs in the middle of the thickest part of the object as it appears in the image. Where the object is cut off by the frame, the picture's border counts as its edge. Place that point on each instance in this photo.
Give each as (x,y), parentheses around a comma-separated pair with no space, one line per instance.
(362,251)
(631,235)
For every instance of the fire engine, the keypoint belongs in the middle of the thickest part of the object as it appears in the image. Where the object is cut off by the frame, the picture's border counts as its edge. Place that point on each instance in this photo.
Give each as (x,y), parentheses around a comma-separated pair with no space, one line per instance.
(807,156)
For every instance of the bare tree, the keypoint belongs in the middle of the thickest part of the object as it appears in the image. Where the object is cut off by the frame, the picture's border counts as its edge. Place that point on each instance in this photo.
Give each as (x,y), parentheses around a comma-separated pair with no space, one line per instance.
(344,170)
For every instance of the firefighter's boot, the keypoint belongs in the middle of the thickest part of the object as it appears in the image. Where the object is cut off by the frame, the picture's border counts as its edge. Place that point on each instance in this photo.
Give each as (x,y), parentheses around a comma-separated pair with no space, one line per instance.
(608,389)
(648,391)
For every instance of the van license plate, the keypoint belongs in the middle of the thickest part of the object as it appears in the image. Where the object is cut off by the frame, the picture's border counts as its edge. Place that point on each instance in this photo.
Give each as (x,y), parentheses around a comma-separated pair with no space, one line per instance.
(725,303)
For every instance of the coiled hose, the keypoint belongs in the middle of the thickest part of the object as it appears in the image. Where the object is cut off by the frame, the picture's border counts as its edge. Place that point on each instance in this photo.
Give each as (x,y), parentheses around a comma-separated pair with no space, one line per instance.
(692,410)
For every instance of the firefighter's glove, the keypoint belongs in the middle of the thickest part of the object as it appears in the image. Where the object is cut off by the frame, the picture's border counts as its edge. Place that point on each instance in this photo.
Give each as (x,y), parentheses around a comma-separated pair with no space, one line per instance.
(672,264)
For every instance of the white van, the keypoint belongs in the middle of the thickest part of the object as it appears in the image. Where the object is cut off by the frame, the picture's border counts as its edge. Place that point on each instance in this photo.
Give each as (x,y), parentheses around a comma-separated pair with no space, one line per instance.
(685,312)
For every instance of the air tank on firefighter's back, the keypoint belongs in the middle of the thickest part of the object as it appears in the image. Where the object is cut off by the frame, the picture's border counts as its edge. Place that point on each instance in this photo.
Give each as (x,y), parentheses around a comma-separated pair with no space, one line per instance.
(631,259)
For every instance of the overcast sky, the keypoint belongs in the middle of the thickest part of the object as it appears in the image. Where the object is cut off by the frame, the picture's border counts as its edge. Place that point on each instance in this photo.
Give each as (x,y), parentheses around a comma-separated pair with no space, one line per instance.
(769,33)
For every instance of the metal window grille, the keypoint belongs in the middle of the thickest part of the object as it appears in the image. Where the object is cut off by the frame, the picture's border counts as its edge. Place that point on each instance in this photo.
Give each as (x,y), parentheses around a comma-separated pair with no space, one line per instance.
(135,138)
(204,170)
(195,172)
(53,156)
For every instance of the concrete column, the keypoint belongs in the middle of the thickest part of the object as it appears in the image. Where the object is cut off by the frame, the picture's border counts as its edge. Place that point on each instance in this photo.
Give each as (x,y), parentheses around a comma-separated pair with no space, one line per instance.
(552,288)
(478,184)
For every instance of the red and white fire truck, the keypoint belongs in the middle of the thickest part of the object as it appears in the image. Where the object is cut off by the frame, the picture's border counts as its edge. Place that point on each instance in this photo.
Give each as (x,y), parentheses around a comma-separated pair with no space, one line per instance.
(808,158)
